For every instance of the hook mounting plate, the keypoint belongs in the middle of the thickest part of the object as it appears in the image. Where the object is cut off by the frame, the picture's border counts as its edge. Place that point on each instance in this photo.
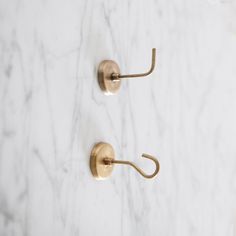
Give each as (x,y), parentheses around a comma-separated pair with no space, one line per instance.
(98,168)
(105,70)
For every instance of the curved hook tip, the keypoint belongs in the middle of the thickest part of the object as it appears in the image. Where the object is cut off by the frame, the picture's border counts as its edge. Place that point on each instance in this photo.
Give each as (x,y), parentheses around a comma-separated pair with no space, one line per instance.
(156,163)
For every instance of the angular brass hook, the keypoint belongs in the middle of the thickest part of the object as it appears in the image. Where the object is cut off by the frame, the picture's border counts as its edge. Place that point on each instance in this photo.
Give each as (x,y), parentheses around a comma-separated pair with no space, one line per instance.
(102,160)
(109,76)
(116,76)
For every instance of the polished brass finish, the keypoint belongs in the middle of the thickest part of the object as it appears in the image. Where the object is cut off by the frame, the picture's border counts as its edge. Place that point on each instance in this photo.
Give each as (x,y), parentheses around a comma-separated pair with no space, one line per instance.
(102,160)
(105,70)
(109,77)
(97,166)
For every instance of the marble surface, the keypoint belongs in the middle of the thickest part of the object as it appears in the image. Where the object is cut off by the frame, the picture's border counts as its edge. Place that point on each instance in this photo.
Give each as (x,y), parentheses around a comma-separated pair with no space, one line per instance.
(52,112)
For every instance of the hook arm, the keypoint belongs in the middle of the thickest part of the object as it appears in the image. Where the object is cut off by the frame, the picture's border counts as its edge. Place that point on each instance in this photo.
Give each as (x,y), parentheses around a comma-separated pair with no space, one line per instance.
(109,161)
(116,76)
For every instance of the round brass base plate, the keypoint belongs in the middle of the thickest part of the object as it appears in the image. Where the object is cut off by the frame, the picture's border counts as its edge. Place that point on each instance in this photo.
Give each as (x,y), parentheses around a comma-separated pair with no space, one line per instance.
(105,70)
(99,152)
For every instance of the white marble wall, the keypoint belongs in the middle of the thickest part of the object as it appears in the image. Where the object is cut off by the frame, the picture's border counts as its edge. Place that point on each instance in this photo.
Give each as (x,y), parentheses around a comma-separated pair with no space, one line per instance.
(52,112)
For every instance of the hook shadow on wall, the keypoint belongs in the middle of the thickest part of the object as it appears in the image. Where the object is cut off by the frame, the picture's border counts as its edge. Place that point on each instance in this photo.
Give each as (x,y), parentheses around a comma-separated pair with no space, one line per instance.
(109,76)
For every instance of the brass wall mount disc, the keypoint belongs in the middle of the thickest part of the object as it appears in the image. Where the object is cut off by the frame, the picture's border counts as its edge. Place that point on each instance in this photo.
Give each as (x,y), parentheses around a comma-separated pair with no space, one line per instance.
(105,70)
(98,168)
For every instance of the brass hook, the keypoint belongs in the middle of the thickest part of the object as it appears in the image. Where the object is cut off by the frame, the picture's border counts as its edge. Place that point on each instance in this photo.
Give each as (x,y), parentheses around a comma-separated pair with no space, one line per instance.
(116,76)
(109,76)
(109,161)
(102,160)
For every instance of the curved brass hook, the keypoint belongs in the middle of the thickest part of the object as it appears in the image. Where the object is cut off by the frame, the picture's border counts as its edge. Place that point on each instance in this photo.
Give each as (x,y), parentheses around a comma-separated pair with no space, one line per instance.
(117,76)
(102,160)
(109,161)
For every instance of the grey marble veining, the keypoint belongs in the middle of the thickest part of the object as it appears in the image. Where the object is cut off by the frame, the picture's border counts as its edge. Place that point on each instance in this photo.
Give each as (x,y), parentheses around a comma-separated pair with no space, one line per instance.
(52,112)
